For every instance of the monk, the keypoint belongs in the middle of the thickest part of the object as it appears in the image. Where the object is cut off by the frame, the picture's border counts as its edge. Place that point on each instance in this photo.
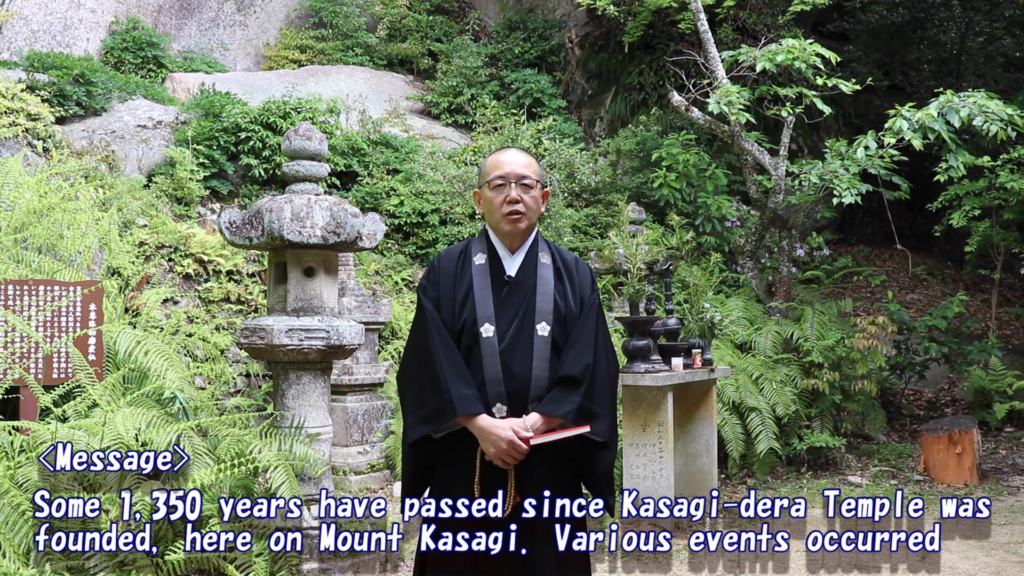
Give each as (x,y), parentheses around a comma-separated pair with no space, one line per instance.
(509,341)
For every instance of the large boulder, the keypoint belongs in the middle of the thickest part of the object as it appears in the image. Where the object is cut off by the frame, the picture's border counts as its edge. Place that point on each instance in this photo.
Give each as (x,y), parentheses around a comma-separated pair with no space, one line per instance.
(138,132)
(10,148)
(374,93)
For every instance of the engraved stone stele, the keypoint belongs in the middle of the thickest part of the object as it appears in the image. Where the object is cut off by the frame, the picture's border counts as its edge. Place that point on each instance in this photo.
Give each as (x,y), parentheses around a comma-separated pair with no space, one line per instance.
(359,411)
(670,434)
(303,335)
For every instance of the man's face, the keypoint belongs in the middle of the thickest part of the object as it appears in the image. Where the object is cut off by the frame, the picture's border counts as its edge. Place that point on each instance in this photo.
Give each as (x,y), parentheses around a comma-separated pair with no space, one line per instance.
(511,214)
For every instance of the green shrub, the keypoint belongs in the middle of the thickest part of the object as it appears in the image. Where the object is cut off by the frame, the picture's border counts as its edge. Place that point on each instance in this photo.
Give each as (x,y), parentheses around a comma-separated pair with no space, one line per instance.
(411,32)
(940,336)
(813,375)
(523,38)
(81,86)
(814,449)
(195,61)
(179,179)
(427,205)
(463,86)
(78,85)
(226,136)
(407,37)
(213,116)
(25,117)
(335,35)
(125,87)
(135,49)
(471,77)
(533,92)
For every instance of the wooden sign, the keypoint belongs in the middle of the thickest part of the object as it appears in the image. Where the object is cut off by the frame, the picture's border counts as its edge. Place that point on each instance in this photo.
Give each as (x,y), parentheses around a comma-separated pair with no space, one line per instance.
(39,320)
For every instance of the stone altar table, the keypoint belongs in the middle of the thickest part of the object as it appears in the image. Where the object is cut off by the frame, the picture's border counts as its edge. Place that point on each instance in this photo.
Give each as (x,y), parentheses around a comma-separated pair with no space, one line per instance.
(670,433)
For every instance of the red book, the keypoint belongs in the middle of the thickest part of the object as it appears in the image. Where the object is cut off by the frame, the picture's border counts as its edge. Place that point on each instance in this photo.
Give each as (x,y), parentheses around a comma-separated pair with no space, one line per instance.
(558,435)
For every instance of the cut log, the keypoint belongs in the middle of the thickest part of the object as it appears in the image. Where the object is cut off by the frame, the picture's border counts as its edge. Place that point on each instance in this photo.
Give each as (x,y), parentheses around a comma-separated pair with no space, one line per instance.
(950,450)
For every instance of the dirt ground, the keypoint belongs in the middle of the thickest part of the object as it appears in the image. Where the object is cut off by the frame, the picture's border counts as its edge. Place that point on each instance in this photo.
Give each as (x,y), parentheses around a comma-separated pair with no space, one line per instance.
(968,548)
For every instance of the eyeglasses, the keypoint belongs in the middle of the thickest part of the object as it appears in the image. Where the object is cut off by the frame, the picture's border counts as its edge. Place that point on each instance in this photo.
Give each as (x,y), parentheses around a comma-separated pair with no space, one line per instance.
(525,186)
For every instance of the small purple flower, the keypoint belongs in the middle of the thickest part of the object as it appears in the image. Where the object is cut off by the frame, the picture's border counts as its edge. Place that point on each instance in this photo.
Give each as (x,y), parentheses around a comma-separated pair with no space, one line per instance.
(800,252)
(728,223)
(792,269)
(753,213)
(825,252)
(737,268)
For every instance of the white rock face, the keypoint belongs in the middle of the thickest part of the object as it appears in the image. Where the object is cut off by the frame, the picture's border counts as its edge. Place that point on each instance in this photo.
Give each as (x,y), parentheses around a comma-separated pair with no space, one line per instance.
(234,31)
(138,132)
(22,76)
(365,90)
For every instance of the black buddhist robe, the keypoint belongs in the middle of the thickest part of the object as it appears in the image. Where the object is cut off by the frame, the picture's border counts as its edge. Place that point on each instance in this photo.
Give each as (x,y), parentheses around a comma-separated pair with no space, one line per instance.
(441,377)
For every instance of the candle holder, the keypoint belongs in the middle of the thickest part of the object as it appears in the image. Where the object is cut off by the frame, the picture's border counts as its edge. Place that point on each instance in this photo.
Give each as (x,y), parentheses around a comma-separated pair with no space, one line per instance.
(656,331)
(638,346)
(671,326)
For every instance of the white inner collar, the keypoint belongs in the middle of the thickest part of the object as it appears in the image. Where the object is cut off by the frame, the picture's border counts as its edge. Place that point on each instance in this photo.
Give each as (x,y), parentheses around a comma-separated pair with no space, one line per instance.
(508,259)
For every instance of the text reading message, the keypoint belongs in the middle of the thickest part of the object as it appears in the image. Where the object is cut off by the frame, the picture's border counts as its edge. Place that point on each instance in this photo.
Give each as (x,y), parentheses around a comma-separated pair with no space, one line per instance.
(329,522)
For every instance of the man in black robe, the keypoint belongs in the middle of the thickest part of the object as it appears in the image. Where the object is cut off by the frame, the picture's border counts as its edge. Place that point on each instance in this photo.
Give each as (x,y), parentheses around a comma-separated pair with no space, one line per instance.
(455,367)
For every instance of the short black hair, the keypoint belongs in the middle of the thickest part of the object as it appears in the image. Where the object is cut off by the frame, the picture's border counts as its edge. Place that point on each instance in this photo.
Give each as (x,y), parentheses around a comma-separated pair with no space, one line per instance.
(482,167)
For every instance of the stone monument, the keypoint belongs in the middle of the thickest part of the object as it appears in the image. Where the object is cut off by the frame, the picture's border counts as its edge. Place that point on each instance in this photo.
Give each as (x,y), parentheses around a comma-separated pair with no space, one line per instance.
(670,433)
(670,424)
(359,411)
(302,335)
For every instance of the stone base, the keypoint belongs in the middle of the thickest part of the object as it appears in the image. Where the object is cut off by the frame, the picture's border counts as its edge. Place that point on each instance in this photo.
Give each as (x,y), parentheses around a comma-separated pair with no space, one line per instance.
(357,482)
(670,434)
(351,376)
(302,397)
(359,419)
(357,458)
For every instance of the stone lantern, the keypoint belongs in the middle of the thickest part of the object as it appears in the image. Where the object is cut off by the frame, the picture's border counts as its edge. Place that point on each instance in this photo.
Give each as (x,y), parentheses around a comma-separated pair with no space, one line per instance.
(302,335)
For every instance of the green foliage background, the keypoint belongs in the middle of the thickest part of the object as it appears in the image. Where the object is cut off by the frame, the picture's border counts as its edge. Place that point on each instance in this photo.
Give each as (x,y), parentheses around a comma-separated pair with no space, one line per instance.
(810,374)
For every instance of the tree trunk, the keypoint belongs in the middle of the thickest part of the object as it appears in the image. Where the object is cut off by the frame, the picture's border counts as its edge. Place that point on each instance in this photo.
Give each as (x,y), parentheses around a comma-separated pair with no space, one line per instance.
(754,157)
(950,449)
(995,290)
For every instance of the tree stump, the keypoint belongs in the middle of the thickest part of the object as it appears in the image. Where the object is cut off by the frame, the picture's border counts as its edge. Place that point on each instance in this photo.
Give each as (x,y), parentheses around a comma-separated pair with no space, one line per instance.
(950,450)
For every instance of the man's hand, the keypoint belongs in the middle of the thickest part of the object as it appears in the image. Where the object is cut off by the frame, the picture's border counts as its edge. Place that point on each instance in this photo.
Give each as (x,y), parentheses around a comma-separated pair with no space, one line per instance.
(541,423)
(501,439)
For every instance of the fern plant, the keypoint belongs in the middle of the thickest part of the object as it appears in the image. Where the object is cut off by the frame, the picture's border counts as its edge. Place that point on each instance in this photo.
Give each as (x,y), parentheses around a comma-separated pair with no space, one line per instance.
(812,371)
(69,219)
(994,393)
(146,401)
